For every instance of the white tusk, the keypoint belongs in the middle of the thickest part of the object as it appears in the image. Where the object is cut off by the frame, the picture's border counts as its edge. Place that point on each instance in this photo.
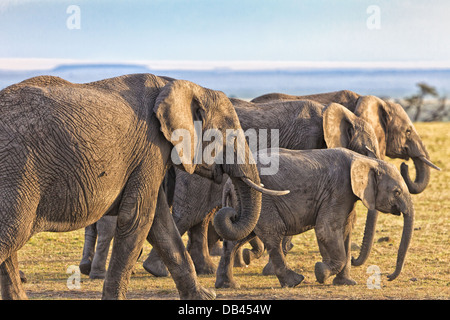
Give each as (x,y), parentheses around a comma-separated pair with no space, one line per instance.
(264,190)
(428,162)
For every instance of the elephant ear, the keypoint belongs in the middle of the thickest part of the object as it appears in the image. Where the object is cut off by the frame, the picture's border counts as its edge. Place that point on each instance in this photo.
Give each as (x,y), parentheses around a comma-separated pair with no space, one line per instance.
(373,110)
(177,106)
(338,126)
(363,176)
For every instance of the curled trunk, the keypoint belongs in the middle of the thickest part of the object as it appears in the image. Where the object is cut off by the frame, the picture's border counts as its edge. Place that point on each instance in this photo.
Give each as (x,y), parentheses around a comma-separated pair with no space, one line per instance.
(233,224)
(422,176)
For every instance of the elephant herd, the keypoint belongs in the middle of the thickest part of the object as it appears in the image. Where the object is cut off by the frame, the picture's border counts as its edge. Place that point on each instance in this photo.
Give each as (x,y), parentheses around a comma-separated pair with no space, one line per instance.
(105,156)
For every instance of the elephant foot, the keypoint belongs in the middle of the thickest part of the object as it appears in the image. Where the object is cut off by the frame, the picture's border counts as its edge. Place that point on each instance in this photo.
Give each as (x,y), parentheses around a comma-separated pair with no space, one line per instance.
(239,262)
(247,256)
(97,274)
(206,268)
(85,267)
(156,268)
(216,250)
(238,259)
(226,283)
(291,279)
(268,269)
(346,281)
(200,294)
(322,272)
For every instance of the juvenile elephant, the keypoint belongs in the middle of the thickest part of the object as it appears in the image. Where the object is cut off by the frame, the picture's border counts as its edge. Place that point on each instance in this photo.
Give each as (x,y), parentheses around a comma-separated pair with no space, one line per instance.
(324,185)
(71,153)
(397,138)
(301,125)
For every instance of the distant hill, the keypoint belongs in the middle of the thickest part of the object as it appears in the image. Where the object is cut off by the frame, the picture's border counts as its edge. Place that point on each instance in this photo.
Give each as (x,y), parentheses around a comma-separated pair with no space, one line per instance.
(104,66)
(247,84)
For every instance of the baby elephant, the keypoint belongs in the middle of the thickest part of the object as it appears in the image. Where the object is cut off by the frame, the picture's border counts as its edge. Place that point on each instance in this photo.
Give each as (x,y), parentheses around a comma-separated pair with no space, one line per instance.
(325,185)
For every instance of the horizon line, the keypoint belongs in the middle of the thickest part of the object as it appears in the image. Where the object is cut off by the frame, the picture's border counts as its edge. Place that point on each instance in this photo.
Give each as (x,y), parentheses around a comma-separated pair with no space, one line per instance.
(23,64)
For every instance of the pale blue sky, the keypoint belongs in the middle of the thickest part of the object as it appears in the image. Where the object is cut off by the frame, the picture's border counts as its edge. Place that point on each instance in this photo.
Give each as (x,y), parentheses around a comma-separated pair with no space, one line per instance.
(210,30)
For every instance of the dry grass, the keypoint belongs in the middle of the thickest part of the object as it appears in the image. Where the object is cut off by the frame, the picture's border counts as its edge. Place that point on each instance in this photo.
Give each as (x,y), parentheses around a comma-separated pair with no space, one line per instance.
(46,257)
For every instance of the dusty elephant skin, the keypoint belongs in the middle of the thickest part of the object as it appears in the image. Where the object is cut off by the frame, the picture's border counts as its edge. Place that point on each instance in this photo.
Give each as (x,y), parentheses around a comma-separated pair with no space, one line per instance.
(301,125)
(95,250)
(324,184)
(396,135)
(71,153)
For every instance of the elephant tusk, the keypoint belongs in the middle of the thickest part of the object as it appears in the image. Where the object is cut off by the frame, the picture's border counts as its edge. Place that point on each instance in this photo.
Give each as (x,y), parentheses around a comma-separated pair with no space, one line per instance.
(429,163)
(264,190)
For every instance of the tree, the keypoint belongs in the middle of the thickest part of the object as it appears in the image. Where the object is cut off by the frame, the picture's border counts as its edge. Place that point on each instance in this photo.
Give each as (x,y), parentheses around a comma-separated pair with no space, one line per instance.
(417,100)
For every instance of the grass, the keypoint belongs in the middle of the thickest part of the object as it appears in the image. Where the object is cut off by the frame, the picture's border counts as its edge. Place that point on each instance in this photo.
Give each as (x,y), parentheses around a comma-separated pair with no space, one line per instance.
(47,256)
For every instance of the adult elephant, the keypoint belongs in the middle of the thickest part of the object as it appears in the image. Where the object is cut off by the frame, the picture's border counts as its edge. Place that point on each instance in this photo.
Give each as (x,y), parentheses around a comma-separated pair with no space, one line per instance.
(71,153)
(301,125)
(396,136)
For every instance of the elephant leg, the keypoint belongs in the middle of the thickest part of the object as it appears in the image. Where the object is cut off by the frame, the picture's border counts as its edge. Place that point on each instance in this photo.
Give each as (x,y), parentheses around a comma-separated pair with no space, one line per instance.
(90,238)
(198,246)
(224,274)
(343,277)
(106,228)
(239,259)
(333,251)
(134,219)
(153,264)
(11,284)
(166,240)
(214,241)
(16,223)
(255,253)
(286,245)
(286,276)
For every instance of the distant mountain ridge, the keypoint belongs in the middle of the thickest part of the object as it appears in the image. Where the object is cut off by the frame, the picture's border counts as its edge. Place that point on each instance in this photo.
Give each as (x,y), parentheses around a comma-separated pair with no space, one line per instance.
(66,67)
(247,84)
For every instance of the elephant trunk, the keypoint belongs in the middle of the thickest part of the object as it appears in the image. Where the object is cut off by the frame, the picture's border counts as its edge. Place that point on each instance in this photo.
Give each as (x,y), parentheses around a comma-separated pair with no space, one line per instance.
(369,235)
(418,153)
(235,225)
(422,176)
(408,218)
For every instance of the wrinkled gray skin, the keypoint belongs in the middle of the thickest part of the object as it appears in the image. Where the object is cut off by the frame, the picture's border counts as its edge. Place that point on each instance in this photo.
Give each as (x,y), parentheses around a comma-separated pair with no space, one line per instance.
(95,251)
(71,153)
(396,135)
(325,185)
(301,124)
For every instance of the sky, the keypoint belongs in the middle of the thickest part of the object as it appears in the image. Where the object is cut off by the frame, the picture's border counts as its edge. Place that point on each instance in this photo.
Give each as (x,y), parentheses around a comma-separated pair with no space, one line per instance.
(226,30)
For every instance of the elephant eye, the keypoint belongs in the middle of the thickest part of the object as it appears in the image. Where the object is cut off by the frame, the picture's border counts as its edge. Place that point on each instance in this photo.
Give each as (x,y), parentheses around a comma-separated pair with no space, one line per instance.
(397,193)
(408,133)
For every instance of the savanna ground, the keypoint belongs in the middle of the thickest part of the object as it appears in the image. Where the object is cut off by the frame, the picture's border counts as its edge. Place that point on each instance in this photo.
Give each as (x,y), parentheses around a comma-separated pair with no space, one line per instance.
(47,256)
